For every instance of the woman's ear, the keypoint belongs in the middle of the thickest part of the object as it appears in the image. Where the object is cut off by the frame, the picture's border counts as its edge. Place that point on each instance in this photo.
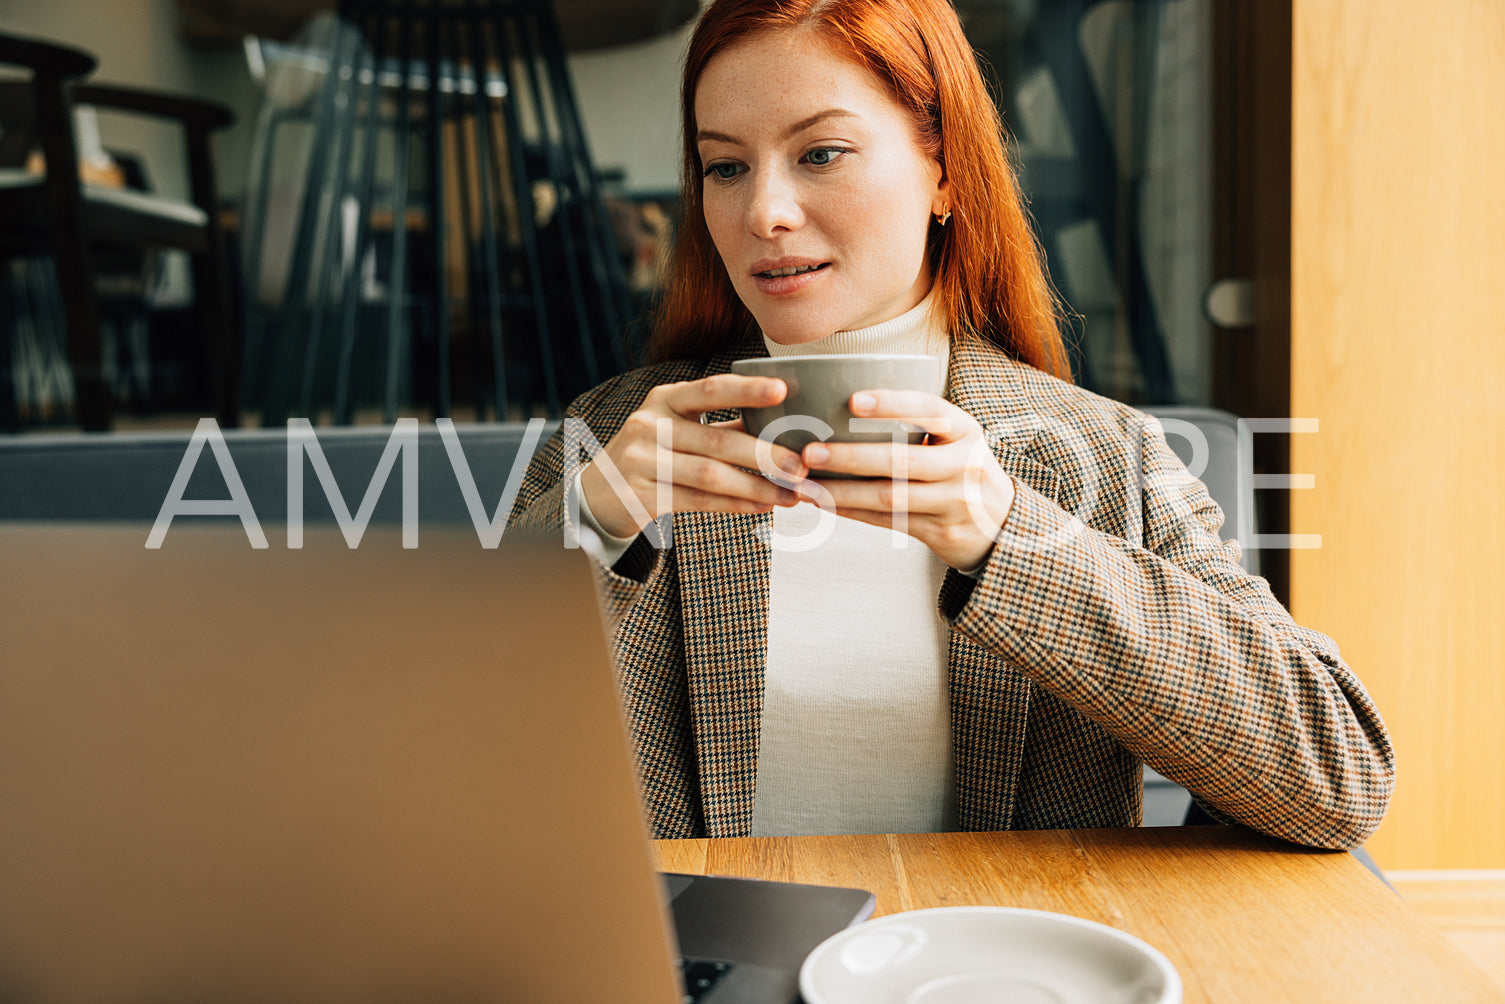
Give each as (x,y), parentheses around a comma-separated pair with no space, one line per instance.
(941,204)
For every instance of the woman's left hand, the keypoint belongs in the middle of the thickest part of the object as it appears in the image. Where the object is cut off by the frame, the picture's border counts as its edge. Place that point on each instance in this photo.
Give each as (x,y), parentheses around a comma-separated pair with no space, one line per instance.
(949,493)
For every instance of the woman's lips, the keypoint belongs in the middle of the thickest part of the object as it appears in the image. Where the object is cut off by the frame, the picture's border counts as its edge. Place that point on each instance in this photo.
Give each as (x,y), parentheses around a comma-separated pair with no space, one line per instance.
(773,284)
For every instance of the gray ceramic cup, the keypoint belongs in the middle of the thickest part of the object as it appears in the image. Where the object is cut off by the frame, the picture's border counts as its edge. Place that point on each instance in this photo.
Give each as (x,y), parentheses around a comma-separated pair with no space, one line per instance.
(820,388)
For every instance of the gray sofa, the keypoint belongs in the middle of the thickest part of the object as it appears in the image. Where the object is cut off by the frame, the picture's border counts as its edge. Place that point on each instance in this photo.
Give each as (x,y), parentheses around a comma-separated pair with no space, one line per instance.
(126,477)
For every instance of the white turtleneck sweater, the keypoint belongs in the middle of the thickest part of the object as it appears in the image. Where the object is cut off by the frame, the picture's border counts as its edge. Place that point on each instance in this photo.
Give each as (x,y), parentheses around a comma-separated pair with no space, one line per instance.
(856,734)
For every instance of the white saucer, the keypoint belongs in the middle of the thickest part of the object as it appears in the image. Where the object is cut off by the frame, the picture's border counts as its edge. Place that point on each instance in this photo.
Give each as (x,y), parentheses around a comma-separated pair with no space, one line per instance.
(986,955)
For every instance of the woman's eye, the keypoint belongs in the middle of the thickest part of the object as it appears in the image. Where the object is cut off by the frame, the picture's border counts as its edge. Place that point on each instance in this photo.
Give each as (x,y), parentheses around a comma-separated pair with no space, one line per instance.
(723,171)
(823,156)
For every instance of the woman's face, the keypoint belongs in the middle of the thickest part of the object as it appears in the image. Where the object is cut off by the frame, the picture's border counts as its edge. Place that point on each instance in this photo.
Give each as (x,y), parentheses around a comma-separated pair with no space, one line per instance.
(816,196)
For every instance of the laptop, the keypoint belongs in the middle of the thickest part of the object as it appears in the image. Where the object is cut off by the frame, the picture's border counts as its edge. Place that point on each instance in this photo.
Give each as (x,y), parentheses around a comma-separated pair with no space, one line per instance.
(336,775)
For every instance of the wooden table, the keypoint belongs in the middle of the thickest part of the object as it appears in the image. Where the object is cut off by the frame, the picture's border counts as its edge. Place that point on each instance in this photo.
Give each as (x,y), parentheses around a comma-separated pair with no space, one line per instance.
(1243,917)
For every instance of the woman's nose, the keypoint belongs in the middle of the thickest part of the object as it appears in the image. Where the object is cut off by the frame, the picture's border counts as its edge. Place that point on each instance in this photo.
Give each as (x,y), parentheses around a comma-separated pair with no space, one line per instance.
(774,206)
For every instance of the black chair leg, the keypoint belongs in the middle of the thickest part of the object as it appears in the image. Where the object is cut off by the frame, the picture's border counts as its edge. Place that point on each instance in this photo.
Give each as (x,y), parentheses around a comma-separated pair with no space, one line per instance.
(10,415)
(213,300)
(216,323)
(91,392)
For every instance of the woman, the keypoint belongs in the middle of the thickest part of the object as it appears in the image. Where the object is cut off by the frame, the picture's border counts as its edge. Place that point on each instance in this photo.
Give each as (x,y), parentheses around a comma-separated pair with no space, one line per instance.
(1072,611)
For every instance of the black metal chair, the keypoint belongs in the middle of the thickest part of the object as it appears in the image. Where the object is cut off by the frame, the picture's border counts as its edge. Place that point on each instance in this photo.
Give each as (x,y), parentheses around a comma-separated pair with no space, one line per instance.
(55,214)
(450,224)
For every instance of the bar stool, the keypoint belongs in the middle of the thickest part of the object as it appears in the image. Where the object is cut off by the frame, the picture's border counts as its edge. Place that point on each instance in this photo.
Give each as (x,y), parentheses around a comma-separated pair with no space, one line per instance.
(450,223)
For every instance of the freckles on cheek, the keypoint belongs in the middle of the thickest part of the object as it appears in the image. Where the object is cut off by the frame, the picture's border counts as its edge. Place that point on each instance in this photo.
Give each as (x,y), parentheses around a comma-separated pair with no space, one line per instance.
(716,224)
(876,204)
(867,200)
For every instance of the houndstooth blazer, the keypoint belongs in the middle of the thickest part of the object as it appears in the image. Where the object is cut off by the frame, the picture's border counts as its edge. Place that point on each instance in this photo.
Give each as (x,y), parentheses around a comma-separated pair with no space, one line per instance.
(1110,626)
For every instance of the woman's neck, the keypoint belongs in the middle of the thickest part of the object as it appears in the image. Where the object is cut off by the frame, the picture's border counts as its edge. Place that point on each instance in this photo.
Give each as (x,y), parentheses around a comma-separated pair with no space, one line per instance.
(917,331)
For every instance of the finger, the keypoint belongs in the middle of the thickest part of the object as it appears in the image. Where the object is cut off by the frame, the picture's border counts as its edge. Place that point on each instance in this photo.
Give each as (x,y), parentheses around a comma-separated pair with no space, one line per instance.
(931,462)
(952,502)
(722,391)
(938,417)
(710,476)
(730,443)
(881,495)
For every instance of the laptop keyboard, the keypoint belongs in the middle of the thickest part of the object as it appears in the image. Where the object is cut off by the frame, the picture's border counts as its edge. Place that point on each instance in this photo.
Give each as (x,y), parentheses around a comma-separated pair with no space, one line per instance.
(700,975)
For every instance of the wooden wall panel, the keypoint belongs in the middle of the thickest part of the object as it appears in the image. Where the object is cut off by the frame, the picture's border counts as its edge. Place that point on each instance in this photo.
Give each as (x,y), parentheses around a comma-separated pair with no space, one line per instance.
(1398,349)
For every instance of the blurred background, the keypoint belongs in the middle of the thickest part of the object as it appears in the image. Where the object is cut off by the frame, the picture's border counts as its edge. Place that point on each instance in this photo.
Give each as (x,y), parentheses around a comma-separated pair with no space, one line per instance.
(1285,209)
(1110,104)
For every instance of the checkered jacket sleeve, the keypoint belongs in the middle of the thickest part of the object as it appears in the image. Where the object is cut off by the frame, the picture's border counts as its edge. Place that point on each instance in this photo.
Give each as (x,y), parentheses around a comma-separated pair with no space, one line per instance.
(542,503)
(1119,599)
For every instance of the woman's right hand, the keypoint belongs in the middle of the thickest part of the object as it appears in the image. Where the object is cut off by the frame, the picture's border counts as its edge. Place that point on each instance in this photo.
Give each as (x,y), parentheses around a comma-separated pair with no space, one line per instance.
(709,468)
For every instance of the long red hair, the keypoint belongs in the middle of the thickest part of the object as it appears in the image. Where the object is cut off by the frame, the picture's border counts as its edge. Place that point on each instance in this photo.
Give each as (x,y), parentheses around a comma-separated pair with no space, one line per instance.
(989,273)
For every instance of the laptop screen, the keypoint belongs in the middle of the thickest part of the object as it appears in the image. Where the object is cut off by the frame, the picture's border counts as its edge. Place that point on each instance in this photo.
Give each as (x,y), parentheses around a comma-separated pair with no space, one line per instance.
(322,774)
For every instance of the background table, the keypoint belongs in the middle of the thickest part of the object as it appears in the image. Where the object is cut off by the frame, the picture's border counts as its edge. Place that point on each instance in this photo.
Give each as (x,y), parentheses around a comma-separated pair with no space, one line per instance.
(1242,916)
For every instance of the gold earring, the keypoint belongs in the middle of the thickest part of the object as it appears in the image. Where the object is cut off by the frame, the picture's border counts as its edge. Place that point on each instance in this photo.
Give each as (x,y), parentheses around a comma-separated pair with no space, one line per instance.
(943,218)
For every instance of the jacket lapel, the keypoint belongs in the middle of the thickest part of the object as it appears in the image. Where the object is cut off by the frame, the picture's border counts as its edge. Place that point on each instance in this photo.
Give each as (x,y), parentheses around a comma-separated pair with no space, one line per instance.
(723,580)
(989,698)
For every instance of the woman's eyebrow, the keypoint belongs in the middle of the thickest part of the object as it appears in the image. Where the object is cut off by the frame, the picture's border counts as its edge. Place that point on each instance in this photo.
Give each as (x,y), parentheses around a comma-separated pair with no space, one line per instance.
(829,113)
(712,136)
